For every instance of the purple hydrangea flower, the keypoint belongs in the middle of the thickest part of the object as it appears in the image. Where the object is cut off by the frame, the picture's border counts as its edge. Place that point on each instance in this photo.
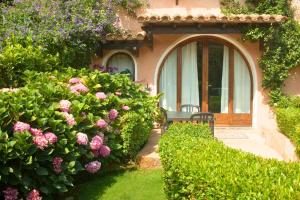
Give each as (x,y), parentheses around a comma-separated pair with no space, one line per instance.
(113,114)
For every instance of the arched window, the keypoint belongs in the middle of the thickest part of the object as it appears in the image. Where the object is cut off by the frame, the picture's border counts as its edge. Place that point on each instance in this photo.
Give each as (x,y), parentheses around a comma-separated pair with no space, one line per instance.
(209,73)
(122,63)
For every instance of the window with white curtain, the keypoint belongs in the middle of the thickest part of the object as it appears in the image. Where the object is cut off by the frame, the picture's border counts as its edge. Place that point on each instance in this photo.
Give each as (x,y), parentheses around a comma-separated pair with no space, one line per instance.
(242,85)
(214,76)
(122,63)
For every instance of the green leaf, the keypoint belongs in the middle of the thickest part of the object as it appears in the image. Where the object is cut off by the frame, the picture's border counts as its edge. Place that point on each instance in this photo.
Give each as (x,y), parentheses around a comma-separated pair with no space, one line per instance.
(42,171)
(67,150)
(44,190)
(72,164)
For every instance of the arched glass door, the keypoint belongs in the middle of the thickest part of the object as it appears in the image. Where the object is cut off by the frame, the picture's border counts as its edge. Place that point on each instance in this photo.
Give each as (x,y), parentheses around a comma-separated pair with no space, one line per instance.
(211,74)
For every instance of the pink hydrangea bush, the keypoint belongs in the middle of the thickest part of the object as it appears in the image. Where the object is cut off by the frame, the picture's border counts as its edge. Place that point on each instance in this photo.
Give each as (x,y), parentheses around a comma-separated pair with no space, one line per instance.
(60,141)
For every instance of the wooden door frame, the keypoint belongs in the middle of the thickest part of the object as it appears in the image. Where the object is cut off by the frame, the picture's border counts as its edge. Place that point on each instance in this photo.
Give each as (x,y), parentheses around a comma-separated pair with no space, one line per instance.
(222,119)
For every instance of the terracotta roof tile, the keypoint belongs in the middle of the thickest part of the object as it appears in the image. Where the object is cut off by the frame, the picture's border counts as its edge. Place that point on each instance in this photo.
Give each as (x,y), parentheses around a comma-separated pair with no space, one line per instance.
(126,36)
(212,18)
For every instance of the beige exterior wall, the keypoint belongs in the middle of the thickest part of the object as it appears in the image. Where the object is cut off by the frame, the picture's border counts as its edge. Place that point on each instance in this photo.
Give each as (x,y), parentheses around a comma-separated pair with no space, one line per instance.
(292,84)
(296,6)
(184,3)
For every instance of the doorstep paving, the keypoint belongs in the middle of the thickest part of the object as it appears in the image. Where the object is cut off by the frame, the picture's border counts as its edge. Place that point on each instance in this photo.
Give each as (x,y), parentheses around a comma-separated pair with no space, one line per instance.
(243,138)
(246,139)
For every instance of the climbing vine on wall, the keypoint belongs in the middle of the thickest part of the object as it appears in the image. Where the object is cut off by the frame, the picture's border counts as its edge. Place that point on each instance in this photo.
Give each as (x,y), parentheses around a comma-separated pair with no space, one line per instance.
(281,42)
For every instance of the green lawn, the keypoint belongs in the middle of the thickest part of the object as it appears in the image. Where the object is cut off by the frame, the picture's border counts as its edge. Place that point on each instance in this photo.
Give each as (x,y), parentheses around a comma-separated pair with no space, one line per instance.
(128,185)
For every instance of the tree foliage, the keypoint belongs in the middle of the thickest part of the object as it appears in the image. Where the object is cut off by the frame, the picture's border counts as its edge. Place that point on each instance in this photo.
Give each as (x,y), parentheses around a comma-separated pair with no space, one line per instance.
(73,29)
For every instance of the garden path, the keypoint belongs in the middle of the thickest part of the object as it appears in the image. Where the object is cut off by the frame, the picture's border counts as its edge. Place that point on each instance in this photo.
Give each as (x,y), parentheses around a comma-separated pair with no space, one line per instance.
(243,138)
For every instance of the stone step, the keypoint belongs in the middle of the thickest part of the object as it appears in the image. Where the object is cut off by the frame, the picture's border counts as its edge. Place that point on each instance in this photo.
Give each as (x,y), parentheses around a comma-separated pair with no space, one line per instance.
(148,157)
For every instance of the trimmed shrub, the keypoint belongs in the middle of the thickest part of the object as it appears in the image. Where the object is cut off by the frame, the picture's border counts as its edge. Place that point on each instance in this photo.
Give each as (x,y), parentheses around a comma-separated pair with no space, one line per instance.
(61,124)
(17,56)
(198,167)
(288,120)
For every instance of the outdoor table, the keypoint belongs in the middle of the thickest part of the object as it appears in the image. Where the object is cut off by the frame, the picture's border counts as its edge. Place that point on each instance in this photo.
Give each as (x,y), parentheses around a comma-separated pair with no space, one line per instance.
(174,116)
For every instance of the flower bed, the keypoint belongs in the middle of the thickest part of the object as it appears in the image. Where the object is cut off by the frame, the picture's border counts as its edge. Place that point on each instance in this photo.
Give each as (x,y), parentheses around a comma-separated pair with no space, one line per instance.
(60,124)
(198,167)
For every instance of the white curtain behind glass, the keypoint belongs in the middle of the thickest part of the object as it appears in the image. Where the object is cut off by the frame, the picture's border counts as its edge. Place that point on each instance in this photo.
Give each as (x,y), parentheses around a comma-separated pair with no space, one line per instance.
(242,85)
(168,83)
(190,86)
(225,81)
(122,62)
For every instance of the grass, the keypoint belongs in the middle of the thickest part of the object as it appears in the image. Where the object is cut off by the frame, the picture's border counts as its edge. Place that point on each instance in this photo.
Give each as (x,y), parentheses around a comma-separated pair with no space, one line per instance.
(127,185)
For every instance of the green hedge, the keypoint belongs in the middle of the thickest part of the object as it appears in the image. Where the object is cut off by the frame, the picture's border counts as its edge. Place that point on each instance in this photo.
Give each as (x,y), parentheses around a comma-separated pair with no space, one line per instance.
(198,167)
(288,120)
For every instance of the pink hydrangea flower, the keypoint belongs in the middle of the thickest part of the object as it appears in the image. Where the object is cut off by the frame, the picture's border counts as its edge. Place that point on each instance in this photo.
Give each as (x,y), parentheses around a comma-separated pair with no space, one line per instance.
(69,118)
(40,141)
(78,88)
(125,107)
(104,151)
(57,164)
(113,114)
(51,137)
(34,195)
(74,80)
(21,127)
(101,123)
(10,193)
(101,95)
(93,166)
(118,93)
(74,90)
(96,142)
(82,138)
(36,132)
(64,105)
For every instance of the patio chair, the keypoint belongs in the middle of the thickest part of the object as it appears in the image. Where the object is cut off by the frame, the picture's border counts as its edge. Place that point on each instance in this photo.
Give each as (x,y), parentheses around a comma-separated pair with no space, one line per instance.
(190,108)
(164,120)
(204,118)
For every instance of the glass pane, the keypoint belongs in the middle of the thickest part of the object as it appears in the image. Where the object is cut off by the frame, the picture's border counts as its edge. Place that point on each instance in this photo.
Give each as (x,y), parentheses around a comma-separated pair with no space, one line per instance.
(242,85)
(190,82)
(122,63)
(168,82)
(218,78)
